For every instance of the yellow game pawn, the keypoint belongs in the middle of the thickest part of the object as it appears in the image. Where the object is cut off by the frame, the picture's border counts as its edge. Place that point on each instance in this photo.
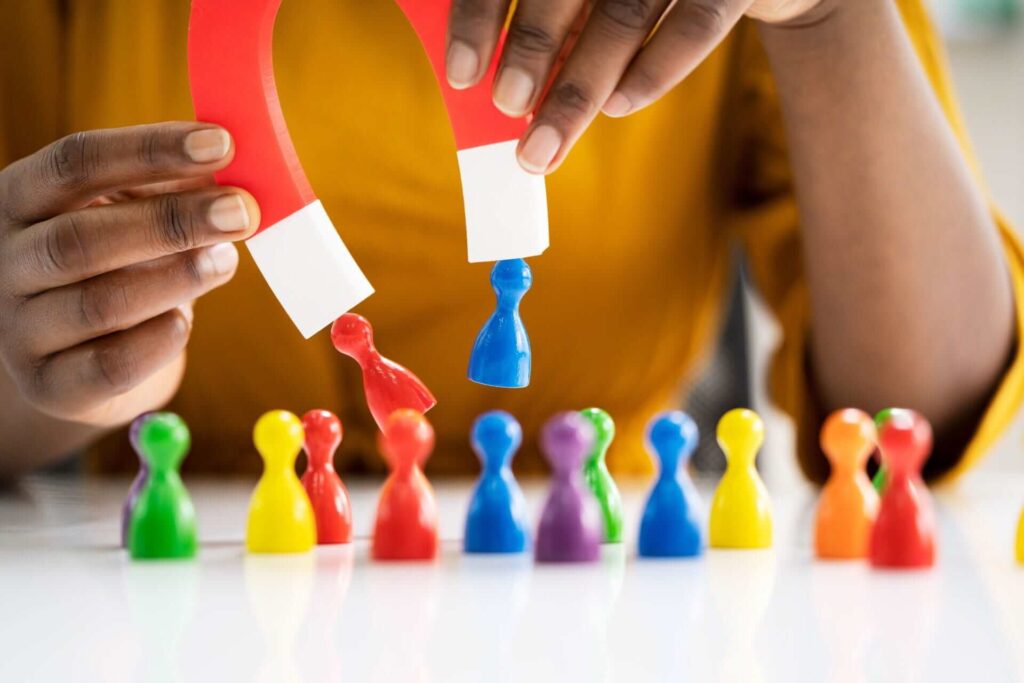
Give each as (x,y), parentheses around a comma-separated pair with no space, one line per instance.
(741,515)
(280,517)
(1020,538)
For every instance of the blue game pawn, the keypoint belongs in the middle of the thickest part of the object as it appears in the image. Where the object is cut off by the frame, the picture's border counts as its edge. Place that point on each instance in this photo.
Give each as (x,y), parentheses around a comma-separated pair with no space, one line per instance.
(496,522)
(501,356)
(671,525)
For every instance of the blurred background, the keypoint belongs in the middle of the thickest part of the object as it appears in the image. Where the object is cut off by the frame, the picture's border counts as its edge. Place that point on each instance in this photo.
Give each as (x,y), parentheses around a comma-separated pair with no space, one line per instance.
(985,44)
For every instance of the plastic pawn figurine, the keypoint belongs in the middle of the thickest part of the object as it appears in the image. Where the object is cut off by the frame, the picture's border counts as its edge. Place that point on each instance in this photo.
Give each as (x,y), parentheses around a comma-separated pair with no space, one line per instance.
(327,494)
(163,522)
(741,514)
(140,478)
(903,536)
(1020,538)
(671,524)
(406,526)
(280,516)
(597,476)
(569,529)
(496,522)
(501,355)
(387,385)
(848,502)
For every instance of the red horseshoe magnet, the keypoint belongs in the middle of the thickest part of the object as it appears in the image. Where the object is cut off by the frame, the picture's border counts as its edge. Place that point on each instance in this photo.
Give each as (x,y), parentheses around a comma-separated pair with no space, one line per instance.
(506,207)
(297,249)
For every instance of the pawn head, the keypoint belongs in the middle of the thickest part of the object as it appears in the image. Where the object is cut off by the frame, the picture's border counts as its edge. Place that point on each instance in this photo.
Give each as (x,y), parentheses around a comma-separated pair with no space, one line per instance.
(881,417)
(848,438)
(496,436)
(323,435)
(511,277)
(163,440)
(604,431)
(352,334)
(566,439)
(278,437)
(407,439)
(905,439)
(673,437)
(740,433)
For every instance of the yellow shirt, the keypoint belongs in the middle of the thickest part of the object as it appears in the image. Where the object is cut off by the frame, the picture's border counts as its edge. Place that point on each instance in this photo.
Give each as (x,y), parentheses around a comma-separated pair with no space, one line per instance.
(624,305)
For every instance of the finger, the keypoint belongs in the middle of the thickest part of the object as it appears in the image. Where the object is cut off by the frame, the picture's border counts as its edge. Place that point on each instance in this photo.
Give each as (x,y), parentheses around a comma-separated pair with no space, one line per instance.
(473,30)
(82,244)
(123,299)
(614,32)
(683,40)
(71,172)
(153,189)
(108,367)
(535,36)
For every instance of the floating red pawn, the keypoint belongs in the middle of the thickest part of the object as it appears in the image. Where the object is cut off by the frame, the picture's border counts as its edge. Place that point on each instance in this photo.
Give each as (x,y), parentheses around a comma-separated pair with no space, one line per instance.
(387,385)
(903,536)
(406,527)
(326,492)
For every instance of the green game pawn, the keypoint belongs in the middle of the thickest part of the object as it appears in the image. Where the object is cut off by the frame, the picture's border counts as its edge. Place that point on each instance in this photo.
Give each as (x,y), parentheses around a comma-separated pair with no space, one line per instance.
(878,481)
(599,479)
(163,522)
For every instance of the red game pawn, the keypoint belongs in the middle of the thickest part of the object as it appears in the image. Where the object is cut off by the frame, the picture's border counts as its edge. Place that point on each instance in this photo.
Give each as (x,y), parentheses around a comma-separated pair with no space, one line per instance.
(904,533)
(406,527)
(326,492)
(388,386)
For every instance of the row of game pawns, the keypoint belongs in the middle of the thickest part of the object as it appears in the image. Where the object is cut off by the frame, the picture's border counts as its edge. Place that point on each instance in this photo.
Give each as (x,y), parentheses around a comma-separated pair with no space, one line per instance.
(289,515)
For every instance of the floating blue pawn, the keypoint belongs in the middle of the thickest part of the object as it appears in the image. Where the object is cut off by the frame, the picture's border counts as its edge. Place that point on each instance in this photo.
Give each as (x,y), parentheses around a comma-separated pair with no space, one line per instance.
(672,522)
(501,356)
(496,522)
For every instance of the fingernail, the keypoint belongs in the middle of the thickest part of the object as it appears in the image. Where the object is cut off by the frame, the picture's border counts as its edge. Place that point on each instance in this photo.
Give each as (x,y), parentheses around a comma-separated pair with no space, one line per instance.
(207,145)
(228,214)
(184,327)
(223,257)
(187,314)
(539,149)
(513,91)
(463,64)
(617,105)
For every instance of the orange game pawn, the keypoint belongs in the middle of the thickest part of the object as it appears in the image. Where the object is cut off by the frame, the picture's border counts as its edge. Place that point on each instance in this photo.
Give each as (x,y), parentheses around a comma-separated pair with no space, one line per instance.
(848,503)
(326,492)
(406,527)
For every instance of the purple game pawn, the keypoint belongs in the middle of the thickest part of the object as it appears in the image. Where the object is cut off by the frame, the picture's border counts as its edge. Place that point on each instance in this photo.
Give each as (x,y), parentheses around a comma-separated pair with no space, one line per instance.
(140,478)
(569,529)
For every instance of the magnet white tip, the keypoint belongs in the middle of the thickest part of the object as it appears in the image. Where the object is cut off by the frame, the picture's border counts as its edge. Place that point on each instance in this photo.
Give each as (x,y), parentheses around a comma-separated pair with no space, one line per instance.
(309,268)
(506,207)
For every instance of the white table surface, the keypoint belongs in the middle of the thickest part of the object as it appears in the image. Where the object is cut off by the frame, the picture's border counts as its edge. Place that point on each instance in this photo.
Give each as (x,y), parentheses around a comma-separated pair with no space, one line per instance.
(73,607)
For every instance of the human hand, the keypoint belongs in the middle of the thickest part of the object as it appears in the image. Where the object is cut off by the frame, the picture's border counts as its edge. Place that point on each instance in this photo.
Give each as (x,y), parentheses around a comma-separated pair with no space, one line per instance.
(609,63)
(106,238)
